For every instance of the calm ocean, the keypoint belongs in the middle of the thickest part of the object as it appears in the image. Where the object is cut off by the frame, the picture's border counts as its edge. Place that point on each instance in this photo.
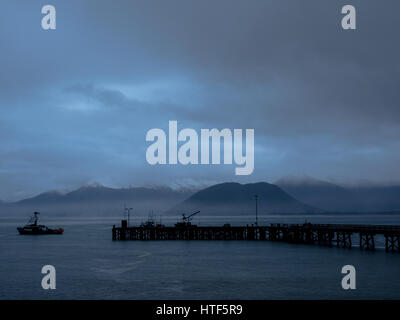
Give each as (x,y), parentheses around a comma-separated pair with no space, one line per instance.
(91,266)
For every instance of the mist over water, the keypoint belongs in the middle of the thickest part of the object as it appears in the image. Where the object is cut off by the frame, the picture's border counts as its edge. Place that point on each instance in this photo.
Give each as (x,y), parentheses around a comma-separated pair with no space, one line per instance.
(90,265)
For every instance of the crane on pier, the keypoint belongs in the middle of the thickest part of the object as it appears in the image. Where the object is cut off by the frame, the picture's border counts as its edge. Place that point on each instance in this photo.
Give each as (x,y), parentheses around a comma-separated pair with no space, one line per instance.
(186,220)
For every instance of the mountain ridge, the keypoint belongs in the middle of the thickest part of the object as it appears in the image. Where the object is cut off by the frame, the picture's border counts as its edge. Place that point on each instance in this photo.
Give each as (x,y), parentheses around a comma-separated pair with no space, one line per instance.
(235,198)
(336,198)
(101,200)
(306,195)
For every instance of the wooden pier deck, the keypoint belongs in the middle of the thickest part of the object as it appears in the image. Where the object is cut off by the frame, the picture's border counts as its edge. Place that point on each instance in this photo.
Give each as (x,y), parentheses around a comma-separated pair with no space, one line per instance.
(340,235)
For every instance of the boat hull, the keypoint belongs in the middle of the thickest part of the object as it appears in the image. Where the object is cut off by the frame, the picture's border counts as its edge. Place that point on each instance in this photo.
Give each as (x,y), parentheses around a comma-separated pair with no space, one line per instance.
(24,231)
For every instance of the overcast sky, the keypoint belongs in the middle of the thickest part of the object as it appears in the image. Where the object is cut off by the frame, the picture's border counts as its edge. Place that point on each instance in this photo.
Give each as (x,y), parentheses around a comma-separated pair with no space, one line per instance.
(76,102)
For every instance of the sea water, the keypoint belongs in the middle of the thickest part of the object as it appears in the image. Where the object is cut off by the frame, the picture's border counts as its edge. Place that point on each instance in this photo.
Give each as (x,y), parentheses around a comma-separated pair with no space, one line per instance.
(89,265)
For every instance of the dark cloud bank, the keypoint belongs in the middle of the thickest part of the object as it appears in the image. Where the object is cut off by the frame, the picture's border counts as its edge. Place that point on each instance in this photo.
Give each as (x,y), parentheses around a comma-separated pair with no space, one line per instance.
(76,103)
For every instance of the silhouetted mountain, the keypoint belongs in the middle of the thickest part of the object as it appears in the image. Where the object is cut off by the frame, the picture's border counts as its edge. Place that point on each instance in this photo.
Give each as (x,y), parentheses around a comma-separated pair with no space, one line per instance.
(322,194)
(378,198)
(288,196)
(237,199)
(100,200)
(46,197)
(331,197)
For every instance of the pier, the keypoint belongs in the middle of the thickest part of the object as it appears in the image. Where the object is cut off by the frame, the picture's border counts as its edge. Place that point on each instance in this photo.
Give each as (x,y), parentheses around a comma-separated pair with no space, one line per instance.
(338,235)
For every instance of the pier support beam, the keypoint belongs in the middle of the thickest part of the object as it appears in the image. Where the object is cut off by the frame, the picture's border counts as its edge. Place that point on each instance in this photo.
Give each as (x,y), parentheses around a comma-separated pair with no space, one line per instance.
(309,236)
(392,242)
(343,239)
(325,238)
(114,233)
(367,241)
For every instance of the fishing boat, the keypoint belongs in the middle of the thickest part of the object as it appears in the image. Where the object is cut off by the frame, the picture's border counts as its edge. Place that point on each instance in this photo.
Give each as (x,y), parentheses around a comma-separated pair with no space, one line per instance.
(32,228)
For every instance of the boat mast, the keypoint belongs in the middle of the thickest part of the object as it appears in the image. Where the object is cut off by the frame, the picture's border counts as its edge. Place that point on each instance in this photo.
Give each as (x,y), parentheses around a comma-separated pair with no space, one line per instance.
(35,218)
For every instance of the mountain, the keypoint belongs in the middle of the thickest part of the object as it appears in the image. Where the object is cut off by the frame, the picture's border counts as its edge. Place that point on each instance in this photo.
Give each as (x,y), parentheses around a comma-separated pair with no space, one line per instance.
(46,197)
(322,194)
(289,195)
(332,197)
(100,200)
(377,198)
(237,199)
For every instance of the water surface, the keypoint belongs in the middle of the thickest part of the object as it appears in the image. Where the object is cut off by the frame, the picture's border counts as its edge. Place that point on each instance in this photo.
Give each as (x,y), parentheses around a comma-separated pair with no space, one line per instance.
(91,266)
